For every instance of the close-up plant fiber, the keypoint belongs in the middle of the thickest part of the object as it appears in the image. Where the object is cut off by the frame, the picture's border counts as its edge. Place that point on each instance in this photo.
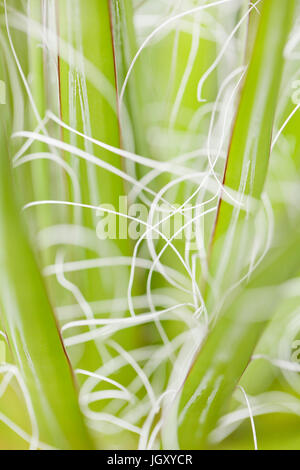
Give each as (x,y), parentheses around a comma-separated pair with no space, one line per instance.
(149,225)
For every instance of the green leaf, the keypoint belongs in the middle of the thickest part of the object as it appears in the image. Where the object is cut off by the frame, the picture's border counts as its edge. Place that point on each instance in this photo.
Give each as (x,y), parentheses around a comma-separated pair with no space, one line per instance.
(230,343)
(249,151)
(31,327)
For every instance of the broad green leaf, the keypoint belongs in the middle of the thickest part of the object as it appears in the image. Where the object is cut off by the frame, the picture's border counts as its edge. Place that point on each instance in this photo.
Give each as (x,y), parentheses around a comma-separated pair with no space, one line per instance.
(88,100)
(230,343)
(249,151)
(31,328)
(88,96)
(130,110)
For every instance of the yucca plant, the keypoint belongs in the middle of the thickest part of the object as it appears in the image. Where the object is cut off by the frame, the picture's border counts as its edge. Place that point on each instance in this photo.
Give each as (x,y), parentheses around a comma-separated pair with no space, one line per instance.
(149,224)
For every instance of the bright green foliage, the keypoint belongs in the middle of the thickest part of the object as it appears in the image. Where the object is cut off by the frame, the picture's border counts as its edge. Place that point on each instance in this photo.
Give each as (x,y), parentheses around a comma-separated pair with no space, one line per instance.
(230,344)
(31,327)
(181,321)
